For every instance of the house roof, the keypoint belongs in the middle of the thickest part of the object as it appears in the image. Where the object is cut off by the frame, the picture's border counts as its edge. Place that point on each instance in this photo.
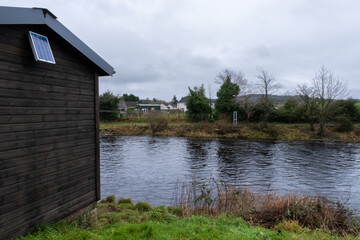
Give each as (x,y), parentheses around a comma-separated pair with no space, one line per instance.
(183,100)
(131,104)
(42,16)
(148,105)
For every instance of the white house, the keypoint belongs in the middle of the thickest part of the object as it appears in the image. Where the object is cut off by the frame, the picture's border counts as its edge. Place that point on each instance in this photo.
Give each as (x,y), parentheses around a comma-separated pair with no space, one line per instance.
(163,107)
(182,104)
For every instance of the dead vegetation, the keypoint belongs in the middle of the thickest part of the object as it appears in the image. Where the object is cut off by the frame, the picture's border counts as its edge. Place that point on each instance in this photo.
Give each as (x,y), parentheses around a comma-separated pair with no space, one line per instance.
(268,210)
(157,125)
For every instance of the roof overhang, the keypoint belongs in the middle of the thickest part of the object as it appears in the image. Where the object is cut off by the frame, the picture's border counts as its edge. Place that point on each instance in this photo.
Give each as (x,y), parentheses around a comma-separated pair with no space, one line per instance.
(42,16)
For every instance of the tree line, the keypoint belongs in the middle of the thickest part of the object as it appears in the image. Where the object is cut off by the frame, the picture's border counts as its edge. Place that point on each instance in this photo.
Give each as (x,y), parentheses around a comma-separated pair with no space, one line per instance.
(318,103)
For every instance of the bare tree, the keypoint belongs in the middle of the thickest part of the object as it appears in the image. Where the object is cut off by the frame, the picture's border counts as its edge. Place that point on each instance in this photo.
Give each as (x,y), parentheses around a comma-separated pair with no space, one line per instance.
(327,88)
(236,77)
(308,97)
(245,101)
(267,83)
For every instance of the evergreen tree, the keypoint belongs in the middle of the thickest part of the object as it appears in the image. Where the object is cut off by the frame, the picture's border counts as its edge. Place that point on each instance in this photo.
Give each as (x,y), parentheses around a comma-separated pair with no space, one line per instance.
(226,102)
(131,98)
(174,100)
(198,106)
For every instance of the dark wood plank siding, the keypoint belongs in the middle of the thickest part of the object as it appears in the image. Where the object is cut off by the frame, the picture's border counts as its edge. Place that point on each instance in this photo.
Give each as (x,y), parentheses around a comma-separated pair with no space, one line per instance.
(49,145)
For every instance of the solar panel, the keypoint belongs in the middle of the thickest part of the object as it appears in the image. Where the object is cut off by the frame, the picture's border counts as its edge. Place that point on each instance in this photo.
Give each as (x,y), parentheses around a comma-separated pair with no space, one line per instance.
(41,48)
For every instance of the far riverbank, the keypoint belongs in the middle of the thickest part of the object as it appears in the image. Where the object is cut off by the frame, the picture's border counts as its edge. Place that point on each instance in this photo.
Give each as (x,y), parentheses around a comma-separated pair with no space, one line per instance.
(253,131)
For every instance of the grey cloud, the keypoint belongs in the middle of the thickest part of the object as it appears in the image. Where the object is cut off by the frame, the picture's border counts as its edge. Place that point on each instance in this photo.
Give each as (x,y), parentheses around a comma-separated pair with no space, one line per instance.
(160,47)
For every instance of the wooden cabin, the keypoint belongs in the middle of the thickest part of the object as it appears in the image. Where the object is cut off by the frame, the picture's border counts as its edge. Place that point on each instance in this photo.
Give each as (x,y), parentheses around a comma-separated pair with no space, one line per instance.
(49,132)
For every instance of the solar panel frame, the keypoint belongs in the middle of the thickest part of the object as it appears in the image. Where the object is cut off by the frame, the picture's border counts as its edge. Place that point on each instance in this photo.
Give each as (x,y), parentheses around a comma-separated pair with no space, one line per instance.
(41,48)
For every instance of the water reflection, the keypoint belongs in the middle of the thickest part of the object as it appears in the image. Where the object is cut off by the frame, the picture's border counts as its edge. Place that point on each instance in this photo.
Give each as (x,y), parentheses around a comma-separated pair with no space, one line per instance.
(197,150)
(148,168)
(241,162)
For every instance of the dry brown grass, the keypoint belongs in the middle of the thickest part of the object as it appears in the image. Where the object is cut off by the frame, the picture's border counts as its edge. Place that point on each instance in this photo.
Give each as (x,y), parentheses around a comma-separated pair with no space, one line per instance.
(162,126)
(269,210)
(157,122)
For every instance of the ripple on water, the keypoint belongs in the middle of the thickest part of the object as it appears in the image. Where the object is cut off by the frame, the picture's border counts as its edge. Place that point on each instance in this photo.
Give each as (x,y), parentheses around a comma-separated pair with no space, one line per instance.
(148,168)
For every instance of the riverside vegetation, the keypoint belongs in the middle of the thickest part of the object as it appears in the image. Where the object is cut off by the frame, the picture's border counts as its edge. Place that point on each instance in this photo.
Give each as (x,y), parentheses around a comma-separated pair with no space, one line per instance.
(210,211)
(176,125)
(321,106)
(290,121)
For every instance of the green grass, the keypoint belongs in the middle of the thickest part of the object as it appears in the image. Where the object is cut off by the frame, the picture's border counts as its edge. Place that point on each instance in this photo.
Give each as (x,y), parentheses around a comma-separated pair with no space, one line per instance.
(125,221)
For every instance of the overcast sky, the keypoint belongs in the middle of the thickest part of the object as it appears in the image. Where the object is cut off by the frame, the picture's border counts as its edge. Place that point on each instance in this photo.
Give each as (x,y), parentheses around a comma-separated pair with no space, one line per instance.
(161,47)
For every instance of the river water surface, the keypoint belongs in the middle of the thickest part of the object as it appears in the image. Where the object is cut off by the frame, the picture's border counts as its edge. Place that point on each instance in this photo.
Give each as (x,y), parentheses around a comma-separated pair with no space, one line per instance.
(149,168)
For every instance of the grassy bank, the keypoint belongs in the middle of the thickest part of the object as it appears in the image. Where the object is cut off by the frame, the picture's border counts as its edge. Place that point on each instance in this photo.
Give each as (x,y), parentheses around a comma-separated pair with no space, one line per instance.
(212,210)
(125,220)
(270,131)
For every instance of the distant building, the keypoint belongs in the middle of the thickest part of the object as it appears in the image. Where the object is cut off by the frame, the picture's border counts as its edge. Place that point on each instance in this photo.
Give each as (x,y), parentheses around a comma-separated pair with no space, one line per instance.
(173,106)
(148,107)
(182,104)
(164,107)
(126,106)
(131,105)
(122,106)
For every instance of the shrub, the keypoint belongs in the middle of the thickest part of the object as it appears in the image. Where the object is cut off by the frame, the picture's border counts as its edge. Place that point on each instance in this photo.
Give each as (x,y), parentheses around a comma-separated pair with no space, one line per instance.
(198,106)
(143,206)
(343,124)
(108,105)
(345,108)
(125,201)
(157,122)
(110,199)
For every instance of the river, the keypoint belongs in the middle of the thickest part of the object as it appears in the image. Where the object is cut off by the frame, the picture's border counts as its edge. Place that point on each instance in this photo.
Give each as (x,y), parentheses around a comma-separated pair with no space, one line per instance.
(146,168)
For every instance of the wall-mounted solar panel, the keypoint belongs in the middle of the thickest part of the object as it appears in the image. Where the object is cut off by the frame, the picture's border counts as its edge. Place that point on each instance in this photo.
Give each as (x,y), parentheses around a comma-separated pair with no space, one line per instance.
(41,48)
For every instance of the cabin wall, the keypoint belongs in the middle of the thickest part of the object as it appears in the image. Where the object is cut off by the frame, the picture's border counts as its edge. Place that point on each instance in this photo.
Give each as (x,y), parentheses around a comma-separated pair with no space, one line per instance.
(49,151)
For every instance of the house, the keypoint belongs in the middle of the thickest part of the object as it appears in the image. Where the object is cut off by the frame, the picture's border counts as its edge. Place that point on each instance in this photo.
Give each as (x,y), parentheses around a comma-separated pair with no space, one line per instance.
(182,104)
(164,107)
(173,106)
(148,107)
(122,106)
(49,130)
(126,106)
(131,105)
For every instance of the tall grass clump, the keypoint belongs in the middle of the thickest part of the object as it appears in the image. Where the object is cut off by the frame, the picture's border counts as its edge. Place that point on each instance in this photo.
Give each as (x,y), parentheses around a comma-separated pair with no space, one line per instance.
(125,201)
(216,197)
(143,206)
(110,199)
